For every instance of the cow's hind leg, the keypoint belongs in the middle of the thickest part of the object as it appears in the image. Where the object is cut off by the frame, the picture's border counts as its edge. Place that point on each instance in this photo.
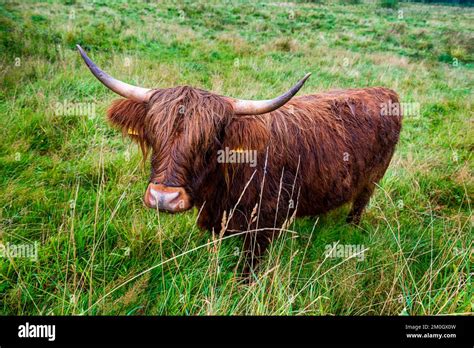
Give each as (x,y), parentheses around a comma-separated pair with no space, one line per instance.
(359,204)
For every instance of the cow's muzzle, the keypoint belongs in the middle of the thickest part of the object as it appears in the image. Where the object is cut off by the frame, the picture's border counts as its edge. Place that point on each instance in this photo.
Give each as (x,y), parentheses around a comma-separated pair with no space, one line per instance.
(167,198)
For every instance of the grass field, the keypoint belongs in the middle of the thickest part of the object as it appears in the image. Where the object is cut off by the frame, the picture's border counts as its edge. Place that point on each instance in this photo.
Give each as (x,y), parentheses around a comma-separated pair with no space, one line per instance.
(71,183)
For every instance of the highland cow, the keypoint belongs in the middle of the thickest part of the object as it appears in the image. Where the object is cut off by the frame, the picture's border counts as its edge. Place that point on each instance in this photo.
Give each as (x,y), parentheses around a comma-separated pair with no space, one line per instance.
(314,153)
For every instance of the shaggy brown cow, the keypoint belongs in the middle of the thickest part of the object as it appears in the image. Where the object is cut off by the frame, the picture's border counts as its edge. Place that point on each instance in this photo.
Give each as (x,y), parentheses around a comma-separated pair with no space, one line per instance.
(314,153)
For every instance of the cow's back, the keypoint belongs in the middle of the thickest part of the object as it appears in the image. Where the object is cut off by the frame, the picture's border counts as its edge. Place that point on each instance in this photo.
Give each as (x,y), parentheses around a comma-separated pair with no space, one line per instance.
(344,139)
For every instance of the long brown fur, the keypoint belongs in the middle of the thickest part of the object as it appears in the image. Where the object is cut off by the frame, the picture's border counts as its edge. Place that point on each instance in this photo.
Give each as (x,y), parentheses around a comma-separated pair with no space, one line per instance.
(315,154)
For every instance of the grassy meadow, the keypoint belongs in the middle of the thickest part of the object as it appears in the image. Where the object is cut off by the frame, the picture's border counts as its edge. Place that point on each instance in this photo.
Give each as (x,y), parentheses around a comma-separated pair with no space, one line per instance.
(74,185)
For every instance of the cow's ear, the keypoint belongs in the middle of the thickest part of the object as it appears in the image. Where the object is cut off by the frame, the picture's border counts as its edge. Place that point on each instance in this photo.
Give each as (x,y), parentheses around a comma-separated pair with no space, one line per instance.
(128,115)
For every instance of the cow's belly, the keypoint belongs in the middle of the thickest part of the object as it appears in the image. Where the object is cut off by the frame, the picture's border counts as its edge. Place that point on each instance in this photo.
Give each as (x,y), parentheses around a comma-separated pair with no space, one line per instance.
(316,200)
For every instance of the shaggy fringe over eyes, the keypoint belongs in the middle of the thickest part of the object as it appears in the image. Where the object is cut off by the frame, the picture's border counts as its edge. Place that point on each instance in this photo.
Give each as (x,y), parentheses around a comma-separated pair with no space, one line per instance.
(129,115)
(195,114)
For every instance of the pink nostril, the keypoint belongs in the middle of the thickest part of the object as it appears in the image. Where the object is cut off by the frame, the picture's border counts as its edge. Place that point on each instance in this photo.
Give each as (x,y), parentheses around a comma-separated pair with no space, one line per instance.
(167,198)
(152,199)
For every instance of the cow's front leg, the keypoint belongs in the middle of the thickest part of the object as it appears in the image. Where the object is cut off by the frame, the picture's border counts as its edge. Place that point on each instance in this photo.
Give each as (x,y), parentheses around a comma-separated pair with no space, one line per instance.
(255,245)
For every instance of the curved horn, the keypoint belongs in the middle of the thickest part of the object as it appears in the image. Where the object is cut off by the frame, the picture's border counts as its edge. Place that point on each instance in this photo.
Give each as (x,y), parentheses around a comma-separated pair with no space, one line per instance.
(256,107)
(138,94)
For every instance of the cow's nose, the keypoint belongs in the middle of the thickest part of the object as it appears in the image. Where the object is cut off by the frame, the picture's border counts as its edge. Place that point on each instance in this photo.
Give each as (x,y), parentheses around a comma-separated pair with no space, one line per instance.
(167,198)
